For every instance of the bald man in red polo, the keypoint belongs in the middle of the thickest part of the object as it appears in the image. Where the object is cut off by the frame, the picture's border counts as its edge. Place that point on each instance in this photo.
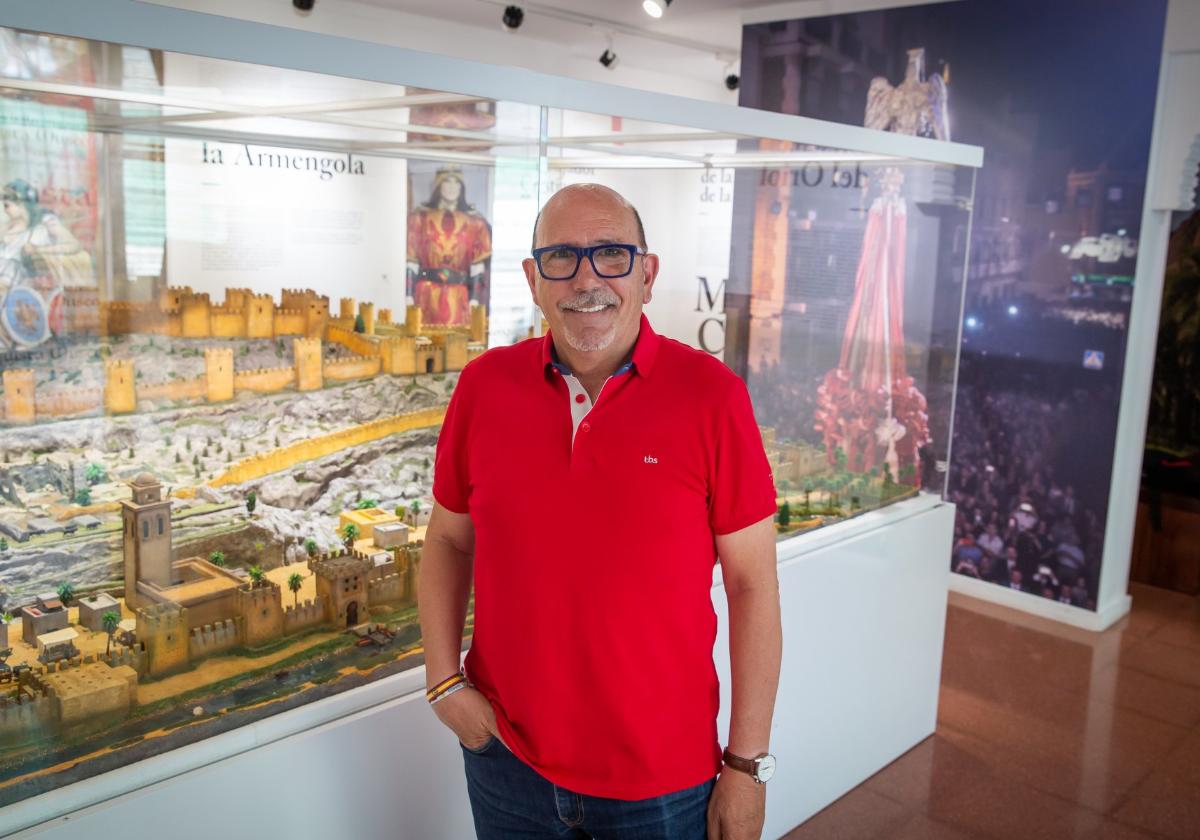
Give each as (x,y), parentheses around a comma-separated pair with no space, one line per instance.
(587,482)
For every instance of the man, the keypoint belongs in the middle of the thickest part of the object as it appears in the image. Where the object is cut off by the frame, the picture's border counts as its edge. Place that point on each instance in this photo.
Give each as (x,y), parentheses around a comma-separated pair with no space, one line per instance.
(589,479)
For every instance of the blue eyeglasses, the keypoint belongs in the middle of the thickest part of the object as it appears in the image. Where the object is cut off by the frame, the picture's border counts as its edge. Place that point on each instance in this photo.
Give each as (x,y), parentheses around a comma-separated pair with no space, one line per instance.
(610,260)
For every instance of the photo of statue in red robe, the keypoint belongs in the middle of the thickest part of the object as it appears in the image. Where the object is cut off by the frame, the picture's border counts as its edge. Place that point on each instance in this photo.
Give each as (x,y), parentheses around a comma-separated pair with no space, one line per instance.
(449,253)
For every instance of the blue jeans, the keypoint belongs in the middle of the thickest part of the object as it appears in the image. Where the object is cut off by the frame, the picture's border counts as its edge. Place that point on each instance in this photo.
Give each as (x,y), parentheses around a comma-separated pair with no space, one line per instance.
(510,801)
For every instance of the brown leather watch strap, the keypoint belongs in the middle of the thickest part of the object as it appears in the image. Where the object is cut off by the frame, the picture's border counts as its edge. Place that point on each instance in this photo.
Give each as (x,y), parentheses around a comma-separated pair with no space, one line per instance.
(746,765)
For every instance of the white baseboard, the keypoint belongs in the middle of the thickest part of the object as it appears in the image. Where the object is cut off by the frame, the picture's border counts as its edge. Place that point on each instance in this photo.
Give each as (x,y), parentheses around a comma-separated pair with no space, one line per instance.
(993,593)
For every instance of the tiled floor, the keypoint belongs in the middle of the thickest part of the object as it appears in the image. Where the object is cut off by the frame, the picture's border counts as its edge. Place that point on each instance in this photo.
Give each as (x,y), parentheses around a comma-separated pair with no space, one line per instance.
(1048,732)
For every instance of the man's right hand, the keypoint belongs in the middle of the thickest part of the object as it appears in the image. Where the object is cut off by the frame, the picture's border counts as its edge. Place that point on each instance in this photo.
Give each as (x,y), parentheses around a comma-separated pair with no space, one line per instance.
(470,717)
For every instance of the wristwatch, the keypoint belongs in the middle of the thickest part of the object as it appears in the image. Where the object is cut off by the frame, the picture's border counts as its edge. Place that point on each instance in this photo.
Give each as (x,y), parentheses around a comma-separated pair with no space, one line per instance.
(761,768)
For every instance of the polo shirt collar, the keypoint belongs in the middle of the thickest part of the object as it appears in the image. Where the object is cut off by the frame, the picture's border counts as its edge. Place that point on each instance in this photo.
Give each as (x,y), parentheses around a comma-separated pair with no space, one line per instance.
(645,349)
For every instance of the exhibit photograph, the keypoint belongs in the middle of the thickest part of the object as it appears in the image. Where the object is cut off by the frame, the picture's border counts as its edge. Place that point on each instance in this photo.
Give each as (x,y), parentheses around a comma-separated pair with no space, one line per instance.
(233,321)
(1052,249)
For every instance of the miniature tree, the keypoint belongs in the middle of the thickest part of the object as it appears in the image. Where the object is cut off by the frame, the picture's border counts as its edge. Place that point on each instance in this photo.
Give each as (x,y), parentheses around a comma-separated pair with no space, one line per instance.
(808,500)
(310,546)
(178,458)
(109,621)
(251,502)
(360,326)
(363,504)
(217,558)
(256,575)
(94,474)
(6,617)
(414,508)
(188,444)
(349,534)
(66,593)
(785,515)
(295,581)
(784,486)
(195,460)
(83,496)
(131,453)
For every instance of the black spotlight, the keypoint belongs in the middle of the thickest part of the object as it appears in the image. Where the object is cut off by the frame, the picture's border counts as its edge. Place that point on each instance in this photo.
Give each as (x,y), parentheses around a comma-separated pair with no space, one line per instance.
(609,59)
(513,17)
(304,5)
(732,81)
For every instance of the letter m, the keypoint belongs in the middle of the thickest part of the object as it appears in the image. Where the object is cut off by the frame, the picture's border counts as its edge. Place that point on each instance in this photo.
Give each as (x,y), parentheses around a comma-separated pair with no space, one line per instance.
(705,296)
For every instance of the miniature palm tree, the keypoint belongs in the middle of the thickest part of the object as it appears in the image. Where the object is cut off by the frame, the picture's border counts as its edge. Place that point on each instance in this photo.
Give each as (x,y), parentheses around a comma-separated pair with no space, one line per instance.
(66,593)
(350,534)
(217,558)
(94,474)
(295,581)
(83,496)
(256,575)
(360,326)
(251,502)
(414,509)
(3,545)
(310,546)
(110,620)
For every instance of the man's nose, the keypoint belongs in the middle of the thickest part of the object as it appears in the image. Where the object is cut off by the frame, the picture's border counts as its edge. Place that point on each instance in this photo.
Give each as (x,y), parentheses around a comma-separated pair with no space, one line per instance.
(585,278)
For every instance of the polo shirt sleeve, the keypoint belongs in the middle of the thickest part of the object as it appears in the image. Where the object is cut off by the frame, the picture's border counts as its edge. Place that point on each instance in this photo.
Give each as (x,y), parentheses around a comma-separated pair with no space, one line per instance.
(742,490)
(451,477)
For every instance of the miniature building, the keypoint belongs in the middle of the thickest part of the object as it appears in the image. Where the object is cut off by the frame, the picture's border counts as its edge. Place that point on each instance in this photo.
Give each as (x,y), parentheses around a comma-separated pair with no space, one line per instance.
(391,534)
(367,520)
(146,522)
(49,615)
(90,691)
(56,645)
(342,584)
(92,610)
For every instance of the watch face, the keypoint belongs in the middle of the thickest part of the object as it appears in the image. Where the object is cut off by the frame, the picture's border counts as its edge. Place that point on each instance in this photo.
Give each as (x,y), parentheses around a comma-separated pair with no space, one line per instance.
(766,768)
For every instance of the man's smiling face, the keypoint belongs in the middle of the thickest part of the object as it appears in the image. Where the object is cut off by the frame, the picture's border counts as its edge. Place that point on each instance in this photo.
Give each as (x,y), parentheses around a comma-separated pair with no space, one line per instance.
(591,313)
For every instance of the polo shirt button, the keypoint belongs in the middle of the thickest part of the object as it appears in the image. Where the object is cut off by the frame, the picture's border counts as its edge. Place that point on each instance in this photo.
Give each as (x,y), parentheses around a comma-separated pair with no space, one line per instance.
(579,398)
(585,427)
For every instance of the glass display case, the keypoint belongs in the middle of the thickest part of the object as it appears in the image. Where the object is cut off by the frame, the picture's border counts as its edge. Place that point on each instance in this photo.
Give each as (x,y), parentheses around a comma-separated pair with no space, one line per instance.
(234,302)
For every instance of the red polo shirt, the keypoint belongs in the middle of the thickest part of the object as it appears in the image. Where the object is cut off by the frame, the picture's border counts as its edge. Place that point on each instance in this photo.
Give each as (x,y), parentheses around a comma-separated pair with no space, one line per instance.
(594,625)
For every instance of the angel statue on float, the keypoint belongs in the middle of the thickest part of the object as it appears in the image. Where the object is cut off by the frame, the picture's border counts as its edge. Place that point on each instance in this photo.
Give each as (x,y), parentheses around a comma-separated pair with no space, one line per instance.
(868,406)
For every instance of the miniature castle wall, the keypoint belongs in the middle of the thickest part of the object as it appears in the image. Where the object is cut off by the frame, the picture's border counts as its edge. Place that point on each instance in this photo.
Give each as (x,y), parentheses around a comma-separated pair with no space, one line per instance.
(214,638)
(306,359)
(359,368)
(24,714)
(264,463)
(162,631)
(262,613)
(354,342)
(183,313)
(307,614)
(389,589)
(264,380)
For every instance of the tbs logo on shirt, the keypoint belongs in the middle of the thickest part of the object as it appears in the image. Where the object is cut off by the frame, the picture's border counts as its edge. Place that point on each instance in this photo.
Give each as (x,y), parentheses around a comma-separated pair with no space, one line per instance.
(649,459)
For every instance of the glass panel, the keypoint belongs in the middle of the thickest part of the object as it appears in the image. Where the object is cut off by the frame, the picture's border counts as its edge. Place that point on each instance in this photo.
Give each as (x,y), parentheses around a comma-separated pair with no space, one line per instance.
(234,301)
(820,276)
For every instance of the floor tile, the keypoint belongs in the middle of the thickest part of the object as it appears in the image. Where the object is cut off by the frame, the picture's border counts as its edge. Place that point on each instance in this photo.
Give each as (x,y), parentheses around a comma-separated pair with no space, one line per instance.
(859,815)
(1165,805)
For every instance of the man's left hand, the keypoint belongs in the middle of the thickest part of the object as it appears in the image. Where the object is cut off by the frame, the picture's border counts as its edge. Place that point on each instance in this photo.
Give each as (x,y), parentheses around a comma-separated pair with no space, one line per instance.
(737,807)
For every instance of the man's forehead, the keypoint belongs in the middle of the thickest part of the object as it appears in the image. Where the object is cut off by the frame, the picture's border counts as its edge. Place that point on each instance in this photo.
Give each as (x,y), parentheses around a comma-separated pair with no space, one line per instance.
(587,223)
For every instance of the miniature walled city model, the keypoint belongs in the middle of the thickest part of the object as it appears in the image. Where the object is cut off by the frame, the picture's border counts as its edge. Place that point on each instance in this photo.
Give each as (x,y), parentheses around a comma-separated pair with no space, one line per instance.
(208,513)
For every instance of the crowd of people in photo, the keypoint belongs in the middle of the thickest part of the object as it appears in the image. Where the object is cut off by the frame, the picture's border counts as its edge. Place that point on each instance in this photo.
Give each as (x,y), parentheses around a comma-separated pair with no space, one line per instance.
(1020,522)
(1022,472)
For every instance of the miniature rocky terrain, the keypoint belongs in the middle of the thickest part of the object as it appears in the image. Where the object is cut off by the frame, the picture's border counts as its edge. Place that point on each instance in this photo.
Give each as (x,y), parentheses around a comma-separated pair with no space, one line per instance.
(159,359)
(43,468)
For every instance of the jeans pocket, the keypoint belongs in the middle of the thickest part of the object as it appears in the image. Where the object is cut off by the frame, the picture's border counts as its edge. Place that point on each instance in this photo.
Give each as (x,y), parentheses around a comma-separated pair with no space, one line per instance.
(482,748)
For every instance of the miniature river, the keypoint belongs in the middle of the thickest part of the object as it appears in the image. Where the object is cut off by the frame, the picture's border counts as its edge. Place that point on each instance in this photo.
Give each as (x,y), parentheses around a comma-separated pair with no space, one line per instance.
(34,772)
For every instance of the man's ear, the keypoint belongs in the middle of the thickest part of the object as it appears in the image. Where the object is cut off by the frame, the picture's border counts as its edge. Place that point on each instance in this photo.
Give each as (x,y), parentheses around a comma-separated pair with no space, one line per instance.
(649,275)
